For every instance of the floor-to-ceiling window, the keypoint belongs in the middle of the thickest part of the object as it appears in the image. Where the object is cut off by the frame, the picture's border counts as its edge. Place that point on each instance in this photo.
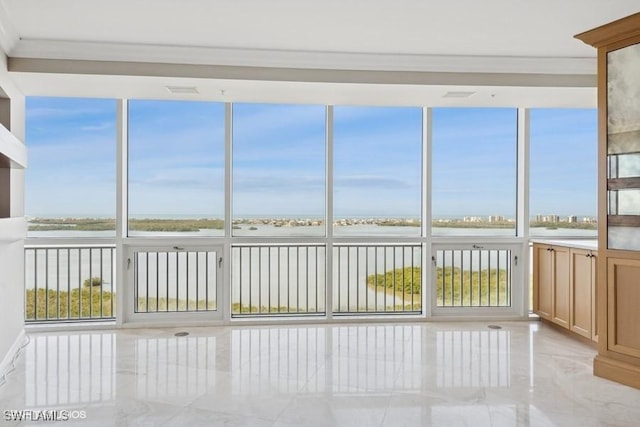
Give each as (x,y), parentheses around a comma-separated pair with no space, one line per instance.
(377,170)
(563,172)
(278,170)
(279,191)
(474,181)
(176,168)
(328,205)
(474,171)
(70,194)
(70,183)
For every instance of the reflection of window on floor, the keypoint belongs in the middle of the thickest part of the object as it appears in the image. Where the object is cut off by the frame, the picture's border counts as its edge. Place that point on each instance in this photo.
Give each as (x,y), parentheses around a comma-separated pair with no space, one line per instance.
(473,358)
(367,357)
(70,370)
(175,366)
(288,358)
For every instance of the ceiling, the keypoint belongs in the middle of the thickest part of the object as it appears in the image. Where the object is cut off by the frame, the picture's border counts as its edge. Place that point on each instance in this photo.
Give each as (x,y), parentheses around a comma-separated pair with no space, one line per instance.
(405,52)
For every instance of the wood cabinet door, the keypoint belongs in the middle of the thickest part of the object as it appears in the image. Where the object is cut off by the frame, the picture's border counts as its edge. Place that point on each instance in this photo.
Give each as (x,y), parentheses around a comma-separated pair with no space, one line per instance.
(581,292)
(542,281)
(561,286)
(594,298)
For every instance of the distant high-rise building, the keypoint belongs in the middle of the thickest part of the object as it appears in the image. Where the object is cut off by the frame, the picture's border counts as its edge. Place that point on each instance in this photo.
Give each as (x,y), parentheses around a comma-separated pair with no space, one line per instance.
(573,218)
(551,218)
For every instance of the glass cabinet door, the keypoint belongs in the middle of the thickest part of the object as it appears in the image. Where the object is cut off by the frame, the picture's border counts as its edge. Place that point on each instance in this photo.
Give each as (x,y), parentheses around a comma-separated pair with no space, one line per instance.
(623,148)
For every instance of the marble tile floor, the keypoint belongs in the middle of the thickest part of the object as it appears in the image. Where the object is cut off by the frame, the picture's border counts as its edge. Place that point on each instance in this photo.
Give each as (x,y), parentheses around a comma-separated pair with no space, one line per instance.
(413,374)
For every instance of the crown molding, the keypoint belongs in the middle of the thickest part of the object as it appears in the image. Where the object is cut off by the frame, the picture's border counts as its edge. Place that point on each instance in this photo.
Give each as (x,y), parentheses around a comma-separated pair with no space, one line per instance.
(279,74)
(612,32)
(354,61)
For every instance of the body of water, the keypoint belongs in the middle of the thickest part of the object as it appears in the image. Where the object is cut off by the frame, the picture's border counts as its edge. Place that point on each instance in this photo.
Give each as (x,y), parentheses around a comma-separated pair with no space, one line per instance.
(305,283)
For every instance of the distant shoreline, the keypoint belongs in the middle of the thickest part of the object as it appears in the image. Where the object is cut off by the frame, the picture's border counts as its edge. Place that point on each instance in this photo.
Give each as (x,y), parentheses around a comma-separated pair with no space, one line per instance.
(195,225)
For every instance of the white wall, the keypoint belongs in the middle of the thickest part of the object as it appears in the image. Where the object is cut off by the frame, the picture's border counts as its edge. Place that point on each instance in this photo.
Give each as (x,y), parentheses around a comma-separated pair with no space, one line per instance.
(12,250)
(11,294)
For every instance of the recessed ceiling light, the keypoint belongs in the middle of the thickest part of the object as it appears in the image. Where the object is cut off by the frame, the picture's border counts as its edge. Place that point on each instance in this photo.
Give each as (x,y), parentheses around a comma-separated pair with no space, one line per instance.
(458,94)
(182,89)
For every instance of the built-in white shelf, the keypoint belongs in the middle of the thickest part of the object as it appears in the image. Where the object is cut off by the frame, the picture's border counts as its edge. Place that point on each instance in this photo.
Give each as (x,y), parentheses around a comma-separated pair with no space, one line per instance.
(13,229)
(12,151)
(13,155)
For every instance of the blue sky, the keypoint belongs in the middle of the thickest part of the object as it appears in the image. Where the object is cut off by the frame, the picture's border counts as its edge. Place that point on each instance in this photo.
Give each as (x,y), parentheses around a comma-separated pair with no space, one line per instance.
(176,160)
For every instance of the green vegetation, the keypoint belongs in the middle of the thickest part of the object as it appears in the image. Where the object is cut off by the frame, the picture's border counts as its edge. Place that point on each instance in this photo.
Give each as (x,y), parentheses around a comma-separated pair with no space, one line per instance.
(464,288)
(469,224)
(405,281)
(74,305)
(78,224)
(175,225)
(245,309)
(572,225)
(455,287)
(94,281)
(398,223)
(94,224)
(173,304)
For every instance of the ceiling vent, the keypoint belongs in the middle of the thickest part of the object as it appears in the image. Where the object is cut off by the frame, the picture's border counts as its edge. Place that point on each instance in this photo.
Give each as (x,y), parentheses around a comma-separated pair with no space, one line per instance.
(458,94)
(182,89)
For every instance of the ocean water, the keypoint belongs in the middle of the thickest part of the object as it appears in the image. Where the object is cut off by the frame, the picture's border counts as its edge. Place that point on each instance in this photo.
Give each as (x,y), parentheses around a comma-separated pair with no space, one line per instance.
(305,275)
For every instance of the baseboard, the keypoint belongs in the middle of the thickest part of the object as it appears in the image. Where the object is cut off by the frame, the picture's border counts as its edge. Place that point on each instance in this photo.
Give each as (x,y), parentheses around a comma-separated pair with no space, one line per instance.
(7,362)
(617,371)
(570,334)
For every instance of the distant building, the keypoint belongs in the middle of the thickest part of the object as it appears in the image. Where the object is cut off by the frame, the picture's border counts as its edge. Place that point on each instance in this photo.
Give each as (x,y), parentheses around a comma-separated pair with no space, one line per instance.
(573,218)
(472,219)
(550,218)
(496,218)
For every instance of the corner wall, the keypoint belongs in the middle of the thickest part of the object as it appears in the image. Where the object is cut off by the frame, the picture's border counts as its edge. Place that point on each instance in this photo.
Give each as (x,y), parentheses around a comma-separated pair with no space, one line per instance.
(12,232)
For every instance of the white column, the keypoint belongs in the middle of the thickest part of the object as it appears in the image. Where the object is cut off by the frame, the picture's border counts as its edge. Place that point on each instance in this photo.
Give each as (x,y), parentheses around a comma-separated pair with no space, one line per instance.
(122,161)
(523,213)
(427,265)
(329,213)
(523,173)
(224,304)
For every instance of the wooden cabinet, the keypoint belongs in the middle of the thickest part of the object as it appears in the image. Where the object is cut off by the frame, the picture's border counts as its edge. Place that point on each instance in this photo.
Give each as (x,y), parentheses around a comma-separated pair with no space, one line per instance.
(561,286)
(618,293)
(564,286)
(582,318)
(542,281)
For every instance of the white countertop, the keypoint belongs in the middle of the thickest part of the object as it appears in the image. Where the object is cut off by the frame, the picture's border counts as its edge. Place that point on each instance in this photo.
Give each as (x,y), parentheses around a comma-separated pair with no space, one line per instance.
(588,244)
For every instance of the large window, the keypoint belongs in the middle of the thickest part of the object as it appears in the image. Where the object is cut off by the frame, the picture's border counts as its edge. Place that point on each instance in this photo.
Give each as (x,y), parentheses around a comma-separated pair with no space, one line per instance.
(563,172)
(278,170)
(377,170)
(176,168)
(474,171)
(70,182)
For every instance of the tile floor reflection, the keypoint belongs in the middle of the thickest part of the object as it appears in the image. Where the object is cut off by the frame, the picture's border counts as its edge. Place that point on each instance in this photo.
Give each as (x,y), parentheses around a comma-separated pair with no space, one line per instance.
(418,374)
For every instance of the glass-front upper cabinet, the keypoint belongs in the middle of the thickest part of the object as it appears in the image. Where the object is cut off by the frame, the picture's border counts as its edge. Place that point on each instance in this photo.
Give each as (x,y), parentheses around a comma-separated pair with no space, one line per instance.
(623,148)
